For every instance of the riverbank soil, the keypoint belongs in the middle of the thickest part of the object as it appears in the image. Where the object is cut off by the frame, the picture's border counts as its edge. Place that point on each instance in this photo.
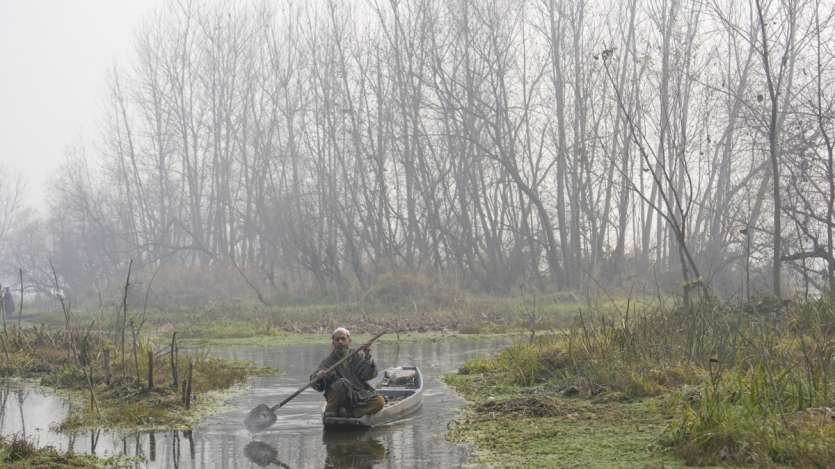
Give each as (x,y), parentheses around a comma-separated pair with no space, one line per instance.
(707,385)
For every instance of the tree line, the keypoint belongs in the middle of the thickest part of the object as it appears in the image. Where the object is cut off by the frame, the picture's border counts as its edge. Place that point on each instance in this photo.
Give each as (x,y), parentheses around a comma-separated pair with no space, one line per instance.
(570,145)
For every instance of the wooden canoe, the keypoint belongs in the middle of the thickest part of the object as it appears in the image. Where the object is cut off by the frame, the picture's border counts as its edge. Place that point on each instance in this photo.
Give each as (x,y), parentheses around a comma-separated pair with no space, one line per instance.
(402,387)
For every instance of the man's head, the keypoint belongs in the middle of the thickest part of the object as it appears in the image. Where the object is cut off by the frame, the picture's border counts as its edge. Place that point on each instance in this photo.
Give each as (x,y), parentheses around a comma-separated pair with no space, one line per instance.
(341,338)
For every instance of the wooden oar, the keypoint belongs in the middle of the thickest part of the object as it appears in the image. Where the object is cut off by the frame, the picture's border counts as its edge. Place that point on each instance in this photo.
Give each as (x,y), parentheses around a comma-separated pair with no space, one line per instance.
(262,417)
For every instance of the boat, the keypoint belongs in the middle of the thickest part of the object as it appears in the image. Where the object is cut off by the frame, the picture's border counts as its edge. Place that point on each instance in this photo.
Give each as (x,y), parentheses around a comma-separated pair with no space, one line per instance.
(402,388)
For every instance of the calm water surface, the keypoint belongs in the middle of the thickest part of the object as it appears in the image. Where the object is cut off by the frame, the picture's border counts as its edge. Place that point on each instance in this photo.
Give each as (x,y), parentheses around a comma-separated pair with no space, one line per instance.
(297,440)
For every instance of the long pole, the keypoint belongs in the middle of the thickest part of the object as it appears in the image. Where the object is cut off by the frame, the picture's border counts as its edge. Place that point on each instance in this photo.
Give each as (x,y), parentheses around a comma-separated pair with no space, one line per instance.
(333,367)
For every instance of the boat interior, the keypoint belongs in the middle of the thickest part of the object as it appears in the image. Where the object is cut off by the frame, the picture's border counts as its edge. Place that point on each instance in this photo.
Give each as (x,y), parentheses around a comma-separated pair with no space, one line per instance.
(399,383)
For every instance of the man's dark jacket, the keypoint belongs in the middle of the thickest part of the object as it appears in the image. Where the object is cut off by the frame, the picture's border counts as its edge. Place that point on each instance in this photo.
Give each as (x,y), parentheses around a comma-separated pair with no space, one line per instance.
(357,370)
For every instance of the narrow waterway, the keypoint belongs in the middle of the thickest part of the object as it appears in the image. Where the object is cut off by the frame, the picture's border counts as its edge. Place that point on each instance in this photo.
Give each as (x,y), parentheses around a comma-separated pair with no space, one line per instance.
(297,440)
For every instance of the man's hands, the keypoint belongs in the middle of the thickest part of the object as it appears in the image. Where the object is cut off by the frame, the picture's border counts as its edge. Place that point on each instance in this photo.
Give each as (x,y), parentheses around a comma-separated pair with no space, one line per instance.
(366,353)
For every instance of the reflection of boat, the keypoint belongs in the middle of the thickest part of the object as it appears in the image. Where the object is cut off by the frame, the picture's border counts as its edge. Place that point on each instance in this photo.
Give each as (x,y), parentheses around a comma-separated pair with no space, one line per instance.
(402,387)
(357,450)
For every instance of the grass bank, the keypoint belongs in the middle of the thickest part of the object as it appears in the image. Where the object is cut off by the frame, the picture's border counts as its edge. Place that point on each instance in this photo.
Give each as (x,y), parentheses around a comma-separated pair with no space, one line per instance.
(18,453)
(710,385)
(280,338)
(102,359)
(238,322)
(518,427)
(145,384)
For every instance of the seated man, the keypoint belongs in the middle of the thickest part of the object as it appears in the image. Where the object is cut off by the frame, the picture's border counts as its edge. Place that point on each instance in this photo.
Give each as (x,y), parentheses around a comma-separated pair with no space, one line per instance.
(346,389)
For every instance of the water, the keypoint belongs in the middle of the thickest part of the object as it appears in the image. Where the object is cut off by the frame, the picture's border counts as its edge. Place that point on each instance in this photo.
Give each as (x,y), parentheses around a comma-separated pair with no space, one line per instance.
(297,440)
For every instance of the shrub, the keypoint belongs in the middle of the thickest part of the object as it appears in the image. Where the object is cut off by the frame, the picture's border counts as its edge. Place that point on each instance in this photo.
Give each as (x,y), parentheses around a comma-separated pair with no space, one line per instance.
(751,417)
(478,366)
(19,448)
(69,376)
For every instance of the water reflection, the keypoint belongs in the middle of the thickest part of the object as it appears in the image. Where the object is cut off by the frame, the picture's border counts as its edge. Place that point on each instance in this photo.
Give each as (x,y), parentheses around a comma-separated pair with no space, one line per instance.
(352,449)
(262,454)
(296,440)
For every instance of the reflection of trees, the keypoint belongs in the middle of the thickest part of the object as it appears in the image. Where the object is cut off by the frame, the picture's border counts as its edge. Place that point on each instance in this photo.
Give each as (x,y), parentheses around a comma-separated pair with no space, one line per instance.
(137,446)
(71,442)
(152,446)
(188,436)
(4,397)
(94,440)
(176,446)
(352,449)
(21,398)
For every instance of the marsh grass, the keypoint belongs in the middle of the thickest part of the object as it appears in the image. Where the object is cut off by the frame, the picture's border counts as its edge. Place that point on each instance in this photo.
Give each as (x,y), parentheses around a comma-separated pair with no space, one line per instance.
(19,452)
(741,385)
(422,308)
(128,402)
(117,393)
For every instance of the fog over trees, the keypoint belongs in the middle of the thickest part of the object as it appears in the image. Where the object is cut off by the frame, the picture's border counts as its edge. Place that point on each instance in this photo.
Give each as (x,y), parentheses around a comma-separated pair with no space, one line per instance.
(659,145)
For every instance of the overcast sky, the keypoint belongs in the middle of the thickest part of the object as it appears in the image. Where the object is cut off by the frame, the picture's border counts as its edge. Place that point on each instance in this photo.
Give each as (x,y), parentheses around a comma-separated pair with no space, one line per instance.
(54,57)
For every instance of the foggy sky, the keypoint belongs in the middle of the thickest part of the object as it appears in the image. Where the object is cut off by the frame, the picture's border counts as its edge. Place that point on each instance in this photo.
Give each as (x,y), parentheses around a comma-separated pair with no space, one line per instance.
(54,59)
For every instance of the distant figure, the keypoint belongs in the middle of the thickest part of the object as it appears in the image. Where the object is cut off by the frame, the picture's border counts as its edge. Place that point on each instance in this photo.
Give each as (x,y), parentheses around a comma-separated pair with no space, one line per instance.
(346,388)
(8,303)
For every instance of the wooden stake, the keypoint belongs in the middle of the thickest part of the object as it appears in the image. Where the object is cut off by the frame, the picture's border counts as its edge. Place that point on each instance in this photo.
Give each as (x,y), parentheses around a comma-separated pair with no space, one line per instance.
(188,384)
(174,376)
(93,404)
(108,372)
(150,370)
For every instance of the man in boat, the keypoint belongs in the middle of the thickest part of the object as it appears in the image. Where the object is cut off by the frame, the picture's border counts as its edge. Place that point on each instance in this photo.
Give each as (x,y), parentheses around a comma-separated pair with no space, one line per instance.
(346,388)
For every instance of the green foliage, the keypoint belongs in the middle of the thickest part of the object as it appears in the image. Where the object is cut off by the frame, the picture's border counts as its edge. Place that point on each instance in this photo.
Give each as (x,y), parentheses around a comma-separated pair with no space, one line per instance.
(478,366)
(516,427)
(68,376)
(757,416)
(751,388)
(18,452)
(523,364)
(19,448)
(229,329)
(75,361)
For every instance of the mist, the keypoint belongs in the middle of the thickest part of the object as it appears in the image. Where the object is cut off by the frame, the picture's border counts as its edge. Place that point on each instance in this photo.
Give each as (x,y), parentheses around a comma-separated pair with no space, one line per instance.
(276,150)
